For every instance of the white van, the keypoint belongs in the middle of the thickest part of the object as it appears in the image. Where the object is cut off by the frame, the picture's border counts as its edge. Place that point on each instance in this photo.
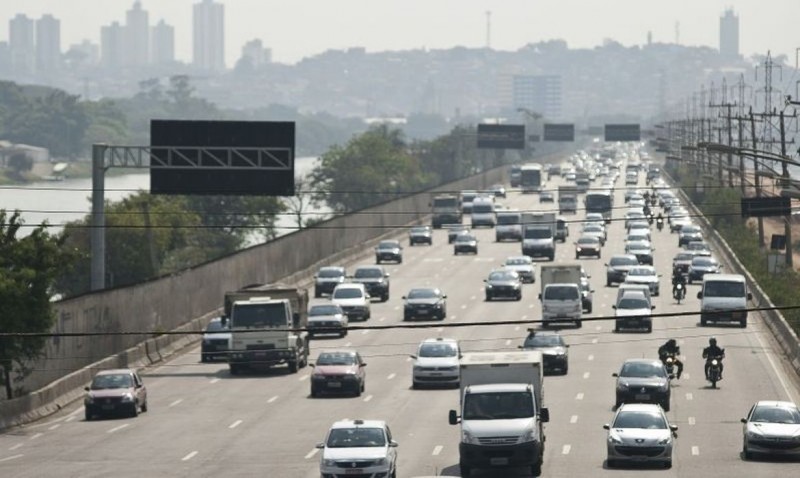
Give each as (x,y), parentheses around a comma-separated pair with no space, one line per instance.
(561,303)
(723,298)
(508,226)
(483,211)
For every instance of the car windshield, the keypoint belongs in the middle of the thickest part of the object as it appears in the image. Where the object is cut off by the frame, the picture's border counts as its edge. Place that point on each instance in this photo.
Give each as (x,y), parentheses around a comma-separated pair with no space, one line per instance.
(518,261)
(419,230)
(690,230)
(368,273)
(642,370)
(544,341)
(503,275)
(508,219)
(347,293)
(683,257)
(498,406)
(632,303)
(538,233)
(482,209)
(703,261)
(422,294)
(328,273)
(216,326)
(697,246)
(772,414)
(593,229)
(588,240)
(324,310)
(623,261)
(465,238)
(561,293)
(356,438)
(388,245)
(723,289)
(108,381)
(647,420)
(641,271)
(336,358)
(437,350)
(257,315)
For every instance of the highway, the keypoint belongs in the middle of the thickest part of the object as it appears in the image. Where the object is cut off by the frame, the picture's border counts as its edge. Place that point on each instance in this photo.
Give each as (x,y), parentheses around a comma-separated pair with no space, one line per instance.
(204,422)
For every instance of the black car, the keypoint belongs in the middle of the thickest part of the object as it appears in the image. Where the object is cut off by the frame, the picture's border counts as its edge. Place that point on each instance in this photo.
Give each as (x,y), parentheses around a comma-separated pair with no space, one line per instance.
(375,280)
(642,250)
(327,278)
(503,283)
(618,267)
(465,243)
(688,234)
(643,381)
(546,196)
(389,251)
(420,235)
(215,344)
(702,265)
(454,230)
(555,351)
(425,303)
(682,261)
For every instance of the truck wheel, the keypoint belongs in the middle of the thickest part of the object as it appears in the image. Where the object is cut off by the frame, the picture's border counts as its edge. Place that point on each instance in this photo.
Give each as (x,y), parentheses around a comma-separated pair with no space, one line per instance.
(465,470)
(292,366)
(234,369)
(317,294)
(536,470)
(579,323)
(589,311)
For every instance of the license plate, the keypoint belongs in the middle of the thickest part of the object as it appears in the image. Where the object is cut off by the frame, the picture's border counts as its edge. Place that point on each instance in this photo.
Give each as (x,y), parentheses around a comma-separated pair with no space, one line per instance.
(643,396)
(261,354)
(422,312)
(436,374)
(353,471)
(108,407)
(498,461)
(335,384)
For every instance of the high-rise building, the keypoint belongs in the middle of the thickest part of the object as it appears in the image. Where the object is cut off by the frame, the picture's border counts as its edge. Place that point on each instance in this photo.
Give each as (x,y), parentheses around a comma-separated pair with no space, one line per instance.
(21,43)
(83,54)
(112,45)
(48,44)
(5,57)
(539,93)
(162,44)
(256,54)
(729,35)
(209,35)
(137,36)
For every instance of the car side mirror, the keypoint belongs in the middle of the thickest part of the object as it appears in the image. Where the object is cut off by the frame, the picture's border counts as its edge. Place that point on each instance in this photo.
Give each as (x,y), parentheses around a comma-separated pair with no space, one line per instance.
(652,307)
(540,296)
(700,295)
(413,356)
(743,420)
(386,275)
(320,446)
(404,297)
(453,417)
(615,374)
(544,415)
(363,364)
(591,290)
(614,307)
(86,388)
(393,444)
(444,296)
(312,365)
(605,265)
(521,347)
(749,296)
(606,427)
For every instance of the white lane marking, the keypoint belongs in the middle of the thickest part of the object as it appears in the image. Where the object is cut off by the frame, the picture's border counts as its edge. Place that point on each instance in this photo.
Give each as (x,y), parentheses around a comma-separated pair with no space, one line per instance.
(777,371)
(565,449)
(381,319)
(471,298)
(391,376)
(54,426)
(594,341)
(433,259)
(586,374)
(368,398)
(397,307)
(579,396)
(311,453)
(591,357)
(116,429)
(18,445)
(175,403)
(508,342)
(686,376)
(235,424)
(691,421)
(695,450)
(303,377)
(69,419)
(516,329)
(530,306)
(680,341)
(365,332)
(436,450)
(689,396)
(599,327)
(272,399)
(440,329)
(463,306)
(9,458)
(573,419)
(524,317)
(452,318)
(408,359)
(348,344)
(37,435)
(189,456)
(214,380)
(75,413)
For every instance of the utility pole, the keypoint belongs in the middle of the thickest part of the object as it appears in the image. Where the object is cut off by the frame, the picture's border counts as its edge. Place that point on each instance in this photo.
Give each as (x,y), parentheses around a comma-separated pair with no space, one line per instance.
(757,178)
(729,126)
(787,229)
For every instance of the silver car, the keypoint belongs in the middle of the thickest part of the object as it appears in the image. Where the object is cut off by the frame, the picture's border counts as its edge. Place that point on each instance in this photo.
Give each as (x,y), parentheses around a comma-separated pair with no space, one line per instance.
(772,428)
(640,433)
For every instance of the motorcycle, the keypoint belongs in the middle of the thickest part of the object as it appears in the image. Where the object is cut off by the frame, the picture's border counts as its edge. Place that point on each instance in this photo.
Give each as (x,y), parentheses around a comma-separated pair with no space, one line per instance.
(660,224)
(714,373)
(678,292)
(669,363)
(650,219)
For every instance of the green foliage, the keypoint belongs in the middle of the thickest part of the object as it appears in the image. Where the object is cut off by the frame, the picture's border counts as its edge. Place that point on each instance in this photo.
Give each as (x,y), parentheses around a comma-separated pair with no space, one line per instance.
(20,163)
(30,265)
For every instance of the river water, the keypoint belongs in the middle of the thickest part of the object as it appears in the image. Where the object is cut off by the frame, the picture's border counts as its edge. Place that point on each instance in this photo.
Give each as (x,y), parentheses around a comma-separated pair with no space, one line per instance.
(59,202)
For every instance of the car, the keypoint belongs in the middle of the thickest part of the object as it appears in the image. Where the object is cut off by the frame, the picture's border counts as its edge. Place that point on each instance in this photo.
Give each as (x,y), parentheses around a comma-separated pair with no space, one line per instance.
(389,250)
(465,243)
(498,190)
(682,261)
(420,235)
(522,265)
(547,196)
(677,223)
(617,268)
(426,302)
(586,295)
(436,363)
(115,391)
(327,278)
(702,265)
(375,280)
(698,247)
(454,230)
(597,230)
(503,283)
(588,246)
(594,218)
(636,214)
(327,318)
(633,310)
(354,299)
(555,352)
(642,250)
(632,194)
(631,178)
(644,275)
(771,428)
(643,381)
(689,233)
(338,371)
(366,443)
(640,432)
(216,340)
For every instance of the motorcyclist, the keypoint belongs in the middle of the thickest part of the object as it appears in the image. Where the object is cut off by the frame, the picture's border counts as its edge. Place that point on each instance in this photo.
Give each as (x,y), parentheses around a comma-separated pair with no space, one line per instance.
(660,221)
(671,348)
(678,278)
(711,352)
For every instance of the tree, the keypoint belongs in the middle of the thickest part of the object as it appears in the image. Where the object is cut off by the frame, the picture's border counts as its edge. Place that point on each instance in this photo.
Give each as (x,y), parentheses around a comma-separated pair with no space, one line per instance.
(300,203)
(20,163)
(30,265)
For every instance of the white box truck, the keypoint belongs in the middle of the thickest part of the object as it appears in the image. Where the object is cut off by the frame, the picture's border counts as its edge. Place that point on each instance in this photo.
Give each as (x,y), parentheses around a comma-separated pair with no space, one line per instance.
(502,411)
(561,294)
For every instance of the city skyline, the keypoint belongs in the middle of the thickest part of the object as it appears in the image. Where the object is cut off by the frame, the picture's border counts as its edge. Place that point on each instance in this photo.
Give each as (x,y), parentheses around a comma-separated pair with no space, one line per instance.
(385,25)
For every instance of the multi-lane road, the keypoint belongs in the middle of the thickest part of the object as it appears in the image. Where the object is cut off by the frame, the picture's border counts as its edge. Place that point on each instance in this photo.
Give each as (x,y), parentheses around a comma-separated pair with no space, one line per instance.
(204,422)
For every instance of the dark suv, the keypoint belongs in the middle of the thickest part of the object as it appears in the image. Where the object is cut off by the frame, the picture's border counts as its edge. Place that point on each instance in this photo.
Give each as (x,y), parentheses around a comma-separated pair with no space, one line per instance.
(327,279)
(618,267)
(375,280)
(389,251)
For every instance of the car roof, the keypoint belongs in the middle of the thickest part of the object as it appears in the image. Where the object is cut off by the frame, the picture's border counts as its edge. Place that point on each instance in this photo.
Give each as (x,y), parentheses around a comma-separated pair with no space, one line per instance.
(331,268)
(775,403)
(350,285)
(115,371)
(439,340)
(359,423)
(368,267)
(724,278)
(634,294)
(640,407)
(644,361)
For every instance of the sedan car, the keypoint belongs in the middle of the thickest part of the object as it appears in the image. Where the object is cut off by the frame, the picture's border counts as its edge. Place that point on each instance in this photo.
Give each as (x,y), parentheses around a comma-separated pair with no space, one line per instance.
(327,319)
(503,283)
(597,230)
(642,250)
(216,340)
(644,275)
(689,233)
(677,223)
(465,243)
(588,246)
(498,190)
(362,445)
(682,261)
(771,428)
(555,352)
(389,251)
(420,235)
(698,247)
(522,265)
(375,280)
(113,392)
(643,381)
(327,278)
(633,310)
(436,362)
(702,265)
(640,433)
(454,230)
(338,371)
(546,196)
(425,302)
(617,268)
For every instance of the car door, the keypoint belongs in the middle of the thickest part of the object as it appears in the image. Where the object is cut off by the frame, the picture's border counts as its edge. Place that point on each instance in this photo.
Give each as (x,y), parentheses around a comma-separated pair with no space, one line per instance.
(139,389)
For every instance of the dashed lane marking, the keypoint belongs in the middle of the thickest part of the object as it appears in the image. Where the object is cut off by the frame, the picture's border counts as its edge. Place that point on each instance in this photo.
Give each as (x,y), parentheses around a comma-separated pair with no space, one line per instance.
(579,396)
(436,450)
(348,344)
(689,396)
(381,319)
(508,342)
(175,403)
(591,357)
(368,398)
(303,377)
(37,435)
(69,419)
(235,424)
(272,399)
(573,419)
(565,449)
(214,380)
(364,332)
(586,374)
(463,306)
(685,375)
(18,445)
(116,429)
(695,450)
(408,359)
(516,329)
(594,341)
(391,376)
(189,456)
(54,426)
(599,327)
(452,318)
(311,453)
(440,329)
(691,421)
(9,458)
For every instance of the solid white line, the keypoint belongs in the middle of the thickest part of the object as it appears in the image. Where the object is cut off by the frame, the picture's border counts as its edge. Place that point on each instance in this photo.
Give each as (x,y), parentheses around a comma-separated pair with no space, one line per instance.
(778,373)
(116,429)
(235,424)
(579,396)
(9,458)
(175,403)
(214,380)
(18,445)
(585,374)
(695,450)
(573,419)
(272,399)
(565,449)
(303,377)
(311,453)
(189,456)
(591,357)
(691,421)
(69,419)
(368,398)
(689,396)
(54,426)
(391,376)
(37,435)
(436,450)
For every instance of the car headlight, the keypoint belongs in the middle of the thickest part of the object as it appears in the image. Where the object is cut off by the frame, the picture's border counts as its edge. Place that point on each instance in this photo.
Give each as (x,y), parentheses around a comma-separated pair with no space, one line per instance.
(664,386)
(613,438)
(466,437)
(622,386)
(753,434)
(128,397)
(488,286)
(88,400)
(381,462)
(528,436)
(578,249)
(328,462)
(516,286)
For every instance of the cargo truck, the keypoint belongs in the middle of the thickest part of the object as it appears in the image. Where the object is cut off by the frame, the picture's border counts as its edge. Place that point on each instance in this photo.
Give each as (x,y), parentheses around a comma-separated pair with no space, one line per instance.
(538,235)
(567,199)
(531,178)
(502,411)
(445,209)
(561,294)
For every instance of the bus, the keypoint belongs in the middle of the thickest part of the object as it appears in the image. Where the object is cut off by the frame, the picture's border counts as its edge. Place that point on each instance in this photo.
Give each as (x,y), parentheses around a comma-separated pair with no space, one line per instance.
(531,178)
(600,201)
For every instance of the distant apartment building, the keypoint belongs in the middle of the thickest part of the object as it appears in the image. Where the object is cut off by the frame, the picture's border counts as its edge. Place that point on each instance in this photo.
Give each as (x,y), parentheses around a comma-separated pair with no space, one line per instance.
(729,35)
(208,36)
(5,57)
(162,44)
(255,53)
(137,36)
(112,45)
(48,44)
(22,45)
(85,53)
(539,93)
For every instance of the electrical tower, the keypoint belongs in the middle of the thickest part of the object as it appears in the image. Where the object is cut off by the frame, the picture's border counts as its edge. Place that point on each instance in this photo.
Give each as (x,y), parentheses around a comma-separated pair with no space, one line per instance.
(488,29)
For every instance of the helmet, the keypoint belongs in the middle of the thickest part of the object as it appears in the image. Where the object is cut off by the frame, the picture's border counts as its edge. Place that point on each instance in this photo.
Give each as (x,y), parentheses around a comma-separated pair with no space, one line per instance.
(671,342)
(712,341)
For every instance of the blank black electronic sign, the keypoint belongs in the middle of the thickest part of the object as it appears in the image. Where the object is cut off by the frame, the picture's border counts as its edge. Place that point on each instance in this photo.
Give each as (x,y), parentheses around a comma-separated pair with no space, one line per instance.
(559,132)
(766,206)
(622,132)
(229,158)
(501,136)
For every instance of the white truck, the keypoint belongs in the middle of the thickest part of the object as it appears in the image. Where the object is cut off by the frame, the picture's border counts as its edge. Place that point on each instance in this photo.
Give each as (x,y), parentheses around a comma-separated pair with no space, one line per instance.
(561,294)
(502,411)
(263,325)
(538,235)
(567,199)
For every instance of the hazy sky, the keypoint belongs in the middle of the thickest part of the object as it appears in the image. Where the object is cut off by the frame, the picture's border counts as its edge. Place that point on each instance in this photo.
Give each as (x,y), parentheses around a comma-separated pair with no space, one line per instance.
(298,28)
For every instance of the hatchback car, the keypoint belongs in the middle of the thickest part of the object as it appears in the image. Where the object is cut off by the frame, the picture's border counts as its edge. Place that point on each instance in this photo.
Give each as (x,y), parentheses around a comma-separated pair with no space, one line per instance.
(216,340)
(617,268)
(643,381)
(420,235)
(555,352)
(339,371)
(375,279)
(682,261)
(588,246)
(113,392)
(353,299)
(363,445)
(689,233)
(633,310)
(425,303)
(702,265)
(597,230)
(465,243)
(327,319)
(642,250)
(640,433)
(389,251)
(644,275)
(436,362)
(771,428)
(503,283)
(327,278)
(522,265)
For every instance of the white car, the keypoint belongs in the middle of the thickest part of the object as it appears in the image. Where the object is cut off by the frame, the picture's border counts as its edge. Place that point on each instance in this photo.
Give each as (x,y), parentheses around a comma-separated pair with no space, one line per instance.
(363,445)
(771,428)
(436,362)
(645,275)
(522,265)
(353,299)
(596,230)
(639,433)
(633,310)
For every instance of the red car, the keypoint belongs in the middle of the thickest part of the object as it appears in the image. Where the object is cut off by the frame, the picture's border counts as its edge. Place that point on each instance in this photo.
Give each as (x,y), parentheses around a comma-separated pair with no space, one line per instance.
(115,391)
(340,371)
